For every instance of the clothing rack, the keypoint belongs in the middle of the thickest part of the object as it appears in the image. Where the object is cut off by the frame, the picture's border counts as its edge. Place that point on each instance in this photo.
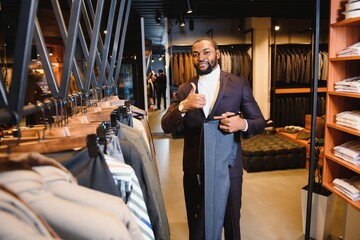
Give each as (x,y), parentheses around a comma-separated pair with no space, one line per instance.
(292,108)
(242,47)
(296,84)
(76,115)
(181,68)
(297,57)
(12,107)
(322,46)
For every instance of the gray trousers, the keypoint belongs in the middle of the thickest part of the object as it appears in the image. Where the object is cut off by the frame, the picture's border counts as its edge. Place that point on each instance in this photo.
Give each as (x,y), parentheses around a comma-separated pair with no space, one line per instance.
(219,153)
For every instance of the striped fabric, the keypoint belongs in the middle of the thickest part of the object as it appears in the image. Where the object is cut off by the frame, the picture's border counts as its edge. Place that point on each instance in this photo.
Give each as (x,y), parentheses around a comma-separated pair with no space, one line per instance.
(144,127)
(129,186)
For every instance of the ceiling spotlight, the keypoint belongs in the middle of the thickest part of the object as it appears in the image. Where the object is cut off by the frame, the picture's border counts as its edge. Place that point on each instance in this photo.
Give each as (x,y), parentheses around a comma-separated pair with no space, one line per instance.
(188,7)
(241,24)
(276,25)
(181,20)
(158,17)
(312,26)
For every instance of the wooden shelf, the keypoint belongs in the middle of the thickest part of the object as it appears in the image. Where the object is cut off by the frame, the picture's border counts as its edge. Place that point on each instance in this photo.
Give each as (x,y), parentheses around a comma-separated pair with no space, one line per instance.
(306,143)
(344,129)
(350,22)
(330,186)
(297,90)
(343,162)
(292,137)
(341,35)
(344,94)
(334,59)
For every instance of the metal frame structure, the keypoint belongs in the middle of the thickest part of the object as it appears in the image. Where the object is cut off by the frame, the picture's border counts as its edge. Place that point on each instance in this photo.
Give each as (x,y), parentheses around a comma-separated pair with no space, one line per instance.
(12,107)
(314,93)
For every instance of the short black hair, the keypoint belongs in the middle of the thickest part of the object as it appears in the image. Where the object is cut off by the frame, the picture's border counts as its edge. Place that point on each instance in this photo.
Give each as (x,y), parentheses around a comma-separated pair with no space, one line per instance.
(212,41)
(161,71)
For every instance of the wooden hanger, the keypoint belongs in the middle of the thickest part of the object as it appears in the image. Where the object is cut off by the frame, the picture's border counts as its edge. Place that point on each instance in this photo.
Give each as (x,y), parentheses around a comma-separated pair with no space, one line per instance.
(47,145)
(56,139)
(44,139)
(35,134)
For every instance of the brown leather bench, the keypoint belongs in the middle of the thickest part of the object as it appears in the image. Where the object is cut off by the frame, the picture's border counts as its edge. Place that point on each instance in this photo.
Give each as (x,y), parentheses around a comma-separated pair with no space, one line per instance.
(272,152)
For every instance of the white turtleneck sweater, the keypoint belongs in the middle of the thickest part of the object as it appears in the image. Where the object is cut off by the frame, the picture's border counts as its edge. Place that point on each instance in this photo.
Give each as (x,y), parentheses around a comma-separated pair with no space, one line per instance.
(209,85)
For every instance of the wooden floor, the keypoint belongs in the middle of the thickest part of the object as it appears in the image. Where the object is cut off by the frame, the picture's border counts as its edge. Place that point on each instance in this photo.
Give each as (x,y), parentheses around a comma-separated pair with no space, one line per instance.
(271,200)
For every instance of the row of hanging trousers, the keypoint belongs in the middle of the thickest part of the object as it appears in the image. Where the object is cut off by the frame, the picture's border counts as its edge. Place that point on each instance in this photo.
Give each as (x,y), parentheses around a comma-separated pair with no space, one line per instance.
(291,110)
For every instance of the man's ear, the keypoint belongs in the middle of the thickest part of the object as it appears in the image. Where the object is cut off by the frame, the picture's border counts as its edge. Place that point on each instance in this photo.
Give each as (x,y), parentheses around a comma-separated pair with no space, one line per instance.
(218,54)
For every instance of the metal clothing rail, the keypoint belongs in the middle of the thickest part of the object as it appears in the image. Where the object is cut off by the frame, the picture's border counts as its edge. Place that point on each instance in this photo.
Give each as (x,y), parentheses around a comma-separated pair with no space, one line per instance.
(311,177)
(96,56)
(57,110)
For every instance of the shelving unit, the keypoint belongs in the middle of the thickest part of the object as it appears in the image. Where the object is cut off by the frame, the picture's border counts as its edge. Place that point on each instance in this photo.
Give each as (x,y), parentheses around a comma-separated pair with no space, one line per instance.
(297,90)
(342,33)
(290,89)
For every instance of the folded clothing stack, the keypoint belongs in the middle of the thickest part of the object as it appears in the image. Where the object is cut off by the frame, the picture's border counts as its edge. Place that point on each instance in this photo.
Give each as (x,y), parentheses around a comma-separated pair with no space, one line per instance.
(291,129)
(352,50)
(349,151)
(351,84)
(349,119)
(352,9)
(350,187)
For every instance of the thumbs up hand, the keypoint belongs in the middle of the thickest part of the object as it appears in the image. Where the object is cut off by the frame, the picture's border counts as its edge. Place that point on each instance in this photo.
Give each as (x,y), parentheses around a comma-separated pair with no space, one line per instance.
(193,89)
(194,100)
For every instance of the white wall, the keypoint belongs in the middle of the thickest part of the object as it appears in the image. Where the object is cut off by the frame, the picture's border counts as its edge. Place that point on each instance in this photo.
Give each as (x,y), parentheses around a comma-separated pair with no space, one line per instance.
(262,63)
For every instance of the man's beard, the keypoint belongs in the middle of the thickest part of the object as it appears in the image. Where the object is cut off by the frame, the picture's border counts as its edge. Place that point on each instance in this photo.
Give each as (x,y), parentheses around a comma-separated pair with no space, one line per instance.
(208,70)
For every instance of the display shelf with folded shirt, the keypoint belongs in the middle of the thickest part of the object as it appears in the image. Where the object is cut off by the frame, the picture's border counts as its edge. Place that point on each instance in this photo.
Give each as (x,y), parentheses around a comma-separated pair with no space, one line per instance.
(301,136)
(343,100)
(352,9)
(352,50)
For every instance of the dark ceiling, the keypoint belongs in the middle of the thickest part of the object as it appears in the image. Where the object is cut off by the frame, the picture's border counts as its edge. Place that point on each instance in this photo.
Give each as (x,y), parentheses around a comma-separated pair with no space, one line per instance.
(230,8)
(216,9)
(202,9)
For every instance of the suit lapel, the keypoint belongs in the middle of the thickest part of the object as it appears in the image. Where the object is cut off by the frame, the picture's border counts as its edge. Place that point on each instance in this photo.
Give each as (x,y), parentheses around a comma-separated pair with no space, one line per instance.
(223,83)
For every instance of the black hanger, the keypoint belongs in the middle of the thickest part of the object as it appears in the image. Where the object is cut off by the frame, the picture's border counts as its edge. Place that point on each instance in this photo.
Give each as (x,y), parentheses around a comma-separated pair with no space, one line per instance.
(92,145)
(105,132)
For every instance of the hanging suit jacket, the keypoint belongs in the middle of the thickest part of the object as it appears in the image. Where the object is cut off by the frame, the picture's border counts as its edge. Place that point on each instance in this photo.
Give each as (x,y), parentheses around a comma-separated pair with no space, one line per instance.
(16,215)
(157,216)
(52,192)
(234,95)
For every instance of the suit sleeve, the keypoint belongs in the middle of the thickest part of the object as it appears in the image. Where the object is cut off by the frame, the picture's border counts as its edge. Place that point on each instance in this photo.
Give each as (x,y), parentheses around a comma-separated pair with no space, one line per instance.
(173,117)
(252,113)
